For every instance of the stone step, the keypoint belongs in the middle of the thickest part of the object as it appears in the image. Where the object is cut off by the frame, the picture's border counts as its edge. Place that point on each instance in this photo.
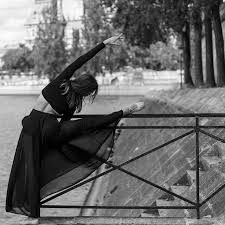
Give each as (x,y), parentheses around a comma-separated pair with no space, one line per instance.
(191,175)
(220,148)
(179,189)
(210,162)
(193,164)
(127,221)
(213,151)
(182,191)
(183,181)
(173,213)
(148,215)
(211,181)
(150,212)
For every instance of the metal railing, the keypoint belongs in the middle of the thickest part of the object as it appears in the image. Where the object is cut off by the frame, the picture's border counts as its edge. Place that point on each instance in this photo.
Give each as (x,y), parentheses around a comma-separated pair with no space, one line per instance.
(195,129)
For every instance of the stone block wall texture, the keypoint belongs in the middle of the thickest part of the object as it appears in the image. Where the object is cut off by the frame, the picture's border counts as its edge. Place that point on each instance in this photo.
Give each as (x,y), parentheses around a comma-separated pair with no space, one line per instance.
(167,165)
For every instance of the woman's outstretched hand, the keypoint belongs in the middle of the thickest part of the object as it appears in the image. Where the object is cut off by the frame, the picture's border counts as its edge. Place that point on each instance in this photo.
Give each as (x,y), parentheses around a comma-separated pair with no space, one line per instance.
(115,40)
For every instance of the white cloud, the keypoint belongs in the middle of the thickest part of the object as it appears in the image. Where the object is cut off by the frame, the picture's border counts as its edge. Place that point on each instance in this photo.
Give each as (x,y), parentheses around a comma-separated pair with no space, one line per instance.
(16,3)
(72,10)
(13,16)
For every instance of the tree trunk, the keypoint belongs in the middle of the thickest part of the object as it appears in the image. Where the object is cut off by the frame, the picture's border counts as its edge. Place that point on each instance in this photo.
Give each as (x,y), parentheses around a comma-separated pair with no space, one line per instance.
(186,56)
(219,45)
(210,79)
(197,47)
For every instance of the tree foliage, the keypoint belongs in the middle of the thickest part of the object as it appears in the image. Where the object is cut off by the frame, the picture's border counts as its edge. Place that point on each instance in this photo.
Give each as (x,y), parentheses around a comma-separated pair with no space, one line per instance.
(164,56)
(95,31)
(49,53)
(18,59)
(76,48)
(148,26)
(139,20)
(98,27)
(100,22)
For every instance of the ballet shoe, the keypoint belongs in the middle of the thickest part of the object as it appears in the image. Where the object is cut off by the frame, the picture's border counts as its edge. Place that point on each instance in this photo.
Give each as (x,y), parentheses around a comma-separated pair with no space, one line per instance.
(134,108)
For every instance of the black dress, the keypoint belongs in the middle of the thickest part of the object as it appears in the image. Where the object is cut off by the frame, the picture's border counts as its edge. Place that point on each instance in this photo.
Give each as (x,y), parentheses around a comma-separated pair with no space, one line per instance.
(52,156)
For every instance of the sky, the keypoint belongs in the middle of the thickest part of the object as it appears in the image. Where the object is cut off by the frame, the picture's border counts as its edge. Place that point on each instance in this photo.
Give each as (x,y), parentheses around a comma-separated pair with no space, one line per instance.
(14,14)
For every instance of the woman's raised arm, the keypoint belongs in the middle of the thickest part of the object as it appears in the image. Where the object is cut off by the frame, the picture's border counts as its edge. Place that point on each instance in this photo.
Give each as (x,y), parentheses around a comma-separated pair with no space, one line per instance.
(68,72)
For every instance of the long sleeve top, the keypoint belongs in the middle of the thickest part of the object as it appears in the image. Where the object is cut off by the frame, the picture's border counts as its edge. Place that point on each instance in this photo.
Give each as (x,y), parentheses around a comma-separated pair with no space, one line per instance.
(52,92)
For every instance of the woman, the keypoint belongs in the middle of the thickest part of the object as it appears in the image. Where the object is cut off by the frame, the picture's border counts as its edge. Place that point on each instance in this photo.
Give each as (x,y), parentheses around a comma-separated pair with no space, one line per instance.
(52,155)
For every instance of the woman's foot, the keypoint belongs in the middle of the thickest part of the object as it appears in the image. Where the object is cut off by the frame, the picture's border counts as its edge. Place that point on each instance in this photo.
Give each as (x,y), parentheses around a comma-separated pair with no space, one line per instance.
(133,108)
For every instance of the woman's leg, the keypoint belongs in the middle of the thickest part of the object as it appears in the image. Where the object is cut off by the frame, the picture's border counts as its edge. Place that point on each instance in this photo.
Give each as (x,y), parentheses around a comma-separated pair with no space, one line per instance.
(58,133)
(72,128)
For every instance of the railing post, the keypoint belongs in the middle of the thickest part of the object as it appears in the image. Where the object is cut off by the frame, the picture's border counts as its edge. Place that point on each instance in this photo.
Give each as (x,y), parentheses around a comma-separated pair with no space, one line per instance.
(197,166)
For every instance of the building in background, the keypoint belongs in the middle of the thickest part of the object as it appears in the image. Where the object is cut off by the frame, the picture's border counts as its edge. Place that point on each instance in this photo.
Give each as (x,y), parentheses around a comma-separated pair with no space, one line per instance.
(70,10)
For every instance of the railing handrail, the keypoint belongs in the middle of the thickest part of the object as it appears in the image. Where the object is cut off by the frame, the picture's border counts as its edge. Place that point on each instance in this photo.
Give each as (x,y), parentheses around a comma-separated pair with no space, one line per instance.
(160,115)
(197,129)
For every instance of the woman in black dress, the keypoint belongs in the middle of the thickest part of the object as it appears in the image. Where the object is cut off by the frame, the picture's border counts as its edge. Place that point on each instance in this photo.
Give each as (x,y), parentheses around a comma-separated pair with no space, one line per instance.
(53,155)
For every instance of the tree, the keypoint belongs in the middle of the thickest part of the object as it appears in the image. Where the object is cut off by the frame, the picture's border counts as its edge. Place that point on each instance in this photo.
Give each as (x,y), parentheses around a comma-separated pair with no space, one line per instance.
(49,53)
(116,57)
(146,22)
(96,29)
(185,39)
(196,26)
(18,59)
(175,15)
(76,49)
(211,10)
(219,42)
(210,79)
(163,56)
(139,20)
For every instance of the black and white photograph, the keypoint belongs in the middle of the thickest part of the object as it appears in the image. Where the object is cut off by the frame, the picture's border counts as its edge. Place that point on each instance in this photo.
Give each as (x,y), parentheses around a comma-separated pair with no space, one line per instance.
(112,112)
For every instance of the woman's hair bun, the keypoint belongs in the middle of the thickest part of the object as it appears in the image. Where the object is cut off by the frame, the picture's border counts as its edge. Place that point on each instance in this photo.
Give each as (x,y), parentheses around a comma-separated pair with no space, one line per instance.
(66,86)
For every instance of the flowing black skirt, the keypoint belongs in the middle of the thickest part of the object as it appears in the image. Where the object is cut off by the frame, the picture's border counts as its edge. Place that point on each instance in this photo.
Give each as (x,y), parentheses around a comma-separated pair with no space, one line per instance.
(52,156)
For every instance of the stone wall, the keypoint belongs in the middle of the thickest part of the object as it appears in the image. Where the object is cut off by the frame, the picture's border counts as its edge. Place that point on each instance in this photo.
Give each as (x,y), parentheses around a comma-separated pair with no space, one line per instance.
(167,165)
